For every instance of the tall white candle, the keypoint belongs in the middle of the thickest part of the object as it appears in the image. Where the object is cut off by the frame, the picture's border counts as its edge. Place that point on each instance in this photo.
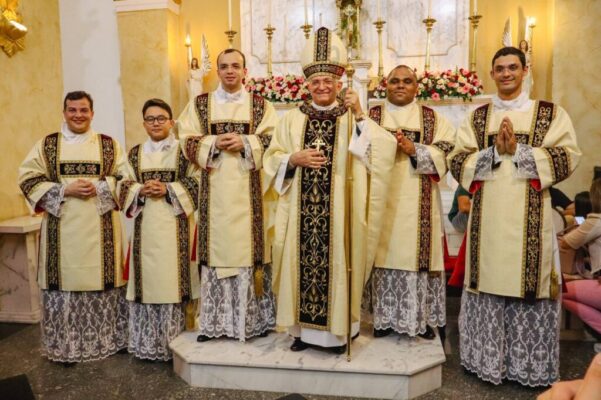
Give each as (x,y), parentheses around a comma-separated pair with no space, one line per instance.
(269,14)
(475,7)
(306,14)
(379,10)
(429,8)
(229,14)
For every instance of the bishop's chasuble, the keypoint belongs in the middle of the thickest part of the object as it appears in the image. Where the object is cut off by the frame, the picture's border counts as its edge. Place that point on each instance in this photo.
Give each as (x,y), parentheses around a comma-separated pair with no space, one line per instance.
(414,197)
(309,248)
(510,232)
(80,250)
(160,251)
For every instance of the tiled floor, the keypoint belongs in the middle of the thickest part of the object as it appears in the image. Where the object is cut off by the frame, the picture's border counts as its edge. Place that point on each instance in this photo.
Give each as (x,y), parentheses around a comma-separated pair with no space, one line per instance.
(123,377)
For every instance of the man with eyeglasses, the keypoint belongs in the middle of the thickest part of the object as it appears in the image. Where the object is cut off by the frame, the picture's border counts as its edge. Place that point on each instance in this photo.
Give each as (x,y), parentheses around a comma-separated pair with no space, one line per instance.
(225,133)
(307,165)
(508,154)
(406,291)
(71,177)
(161,193)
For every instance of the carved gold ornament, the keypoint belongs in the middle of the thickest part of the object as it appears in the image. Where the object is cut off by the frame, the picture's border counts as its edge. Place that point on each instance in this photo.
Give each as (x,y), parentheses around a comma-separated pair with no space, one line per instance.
(12,31)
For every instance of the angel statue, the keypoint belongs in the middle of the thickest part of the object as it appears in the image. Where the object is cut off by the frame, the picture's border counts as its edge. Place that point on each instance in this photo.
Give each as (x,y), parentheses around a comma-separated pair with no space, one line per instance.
(197,72)
(525,46)
(11,29)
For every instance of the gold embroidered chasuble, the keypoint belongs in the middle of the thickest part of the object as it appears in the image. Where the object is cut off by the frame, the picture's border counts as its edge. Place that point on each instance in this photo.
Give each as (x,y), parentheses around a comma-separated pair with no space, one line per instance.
(309,251)
(231,212)
(510,230)
(80,250)
(414,198)
(160,249)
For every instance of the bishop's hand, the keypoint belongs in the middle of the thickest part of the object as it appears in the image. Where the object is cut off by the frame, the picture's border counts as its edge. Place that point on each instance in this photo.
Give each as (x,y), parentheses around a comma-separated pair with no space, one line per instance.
(308,158)
(351,101)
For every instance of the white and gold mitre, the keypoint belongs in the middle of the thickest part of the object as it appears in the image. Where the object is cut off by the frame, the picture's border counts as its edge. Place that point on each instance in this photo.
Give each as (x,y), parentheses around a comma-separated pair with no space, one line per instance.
(324,54)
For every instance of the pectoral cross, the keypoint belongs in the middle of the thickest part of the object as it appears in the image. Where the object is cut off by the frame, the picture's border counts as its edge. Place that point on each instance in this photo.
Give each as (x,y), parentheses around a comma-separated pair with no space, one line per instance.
(318,143)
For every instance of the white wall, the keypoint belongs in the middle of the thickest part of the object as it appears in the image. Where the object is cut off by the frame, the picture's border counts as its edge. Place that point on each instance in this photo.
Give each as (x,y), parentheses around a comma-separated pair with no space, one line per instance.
(90,55)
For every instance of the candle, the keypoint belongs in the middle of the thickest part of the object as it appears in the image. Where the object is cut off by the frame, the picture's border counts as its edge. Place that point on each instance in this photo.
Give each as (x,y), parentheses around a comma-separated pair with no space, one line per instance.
(320,21)
(475,7)
(379,11)
(306,14)
(269,14)
(229,14)
(429,8)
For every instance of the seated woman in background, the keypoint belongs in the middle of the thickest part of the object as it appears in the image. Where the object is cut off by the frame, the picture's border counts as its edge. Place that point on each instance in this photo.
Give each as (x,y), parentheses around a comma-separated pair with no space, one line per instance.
(583,297)
(460,210)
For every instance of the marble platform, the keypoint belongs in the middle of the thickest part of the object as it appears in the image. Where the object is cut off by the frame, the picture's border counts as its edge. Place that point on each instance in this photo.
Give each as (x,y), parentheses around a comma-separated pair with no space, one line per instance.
(387,368)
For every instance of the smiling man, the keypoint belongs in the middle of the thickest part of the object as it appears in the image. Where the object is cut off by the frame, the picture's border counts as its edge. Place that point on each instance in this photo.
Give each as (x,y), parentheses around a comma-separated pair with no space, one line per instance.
(226,133)
(161,193)
(508,154)
(306,163)
(71,177)
(406,292)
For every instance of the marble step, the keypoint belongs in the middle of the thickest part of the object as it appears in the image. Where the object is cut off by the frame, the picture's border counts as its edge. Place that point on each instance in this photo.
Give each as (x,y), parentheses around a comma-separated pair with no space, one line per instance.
(393,367)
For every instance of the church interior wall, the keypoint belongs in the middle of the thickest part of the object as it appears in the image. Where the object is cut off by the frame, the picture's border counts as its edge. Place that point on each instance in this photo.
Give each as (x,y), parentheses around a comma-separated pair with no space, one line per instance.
(576,63)
(31,90)
(146,62)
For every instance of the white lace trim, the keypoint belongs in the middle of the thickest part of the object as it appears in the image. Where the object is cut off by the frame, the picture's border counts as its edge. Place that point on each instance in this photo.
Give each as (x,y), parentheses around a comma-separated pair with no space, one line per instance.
(52,200)
(425,163)
(405,301)
(526,165)
(505,338)
(229,306)
(104,198)
(177,206)
(484,164)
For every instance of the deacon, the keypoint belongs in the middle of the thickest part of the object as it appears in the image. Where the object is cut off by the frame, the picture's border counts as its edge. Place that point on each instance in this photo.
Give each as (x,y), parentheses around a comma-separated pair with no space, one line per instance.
(406,291)
(71,176)
(307,164)
(162,195)
(226,133)
(508,154)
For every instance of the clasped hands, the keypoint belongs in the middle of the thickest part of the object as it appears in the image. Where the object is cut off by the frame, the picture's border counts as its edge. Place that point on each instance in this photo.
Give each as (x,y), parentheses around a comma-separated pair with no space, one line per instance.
(404,144)
(80,189)
(506,141)
(229,142)
(153,188)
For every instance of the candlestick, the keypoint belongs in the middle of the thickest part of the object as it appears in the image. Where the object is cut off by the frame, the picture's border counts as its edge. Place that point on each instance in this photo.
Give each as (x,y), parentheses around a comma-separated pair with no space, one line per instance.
(474,19)
(230,37)
(188,44)
(379,27)
(269,30)
(229,14)
(307,29)
(429,22)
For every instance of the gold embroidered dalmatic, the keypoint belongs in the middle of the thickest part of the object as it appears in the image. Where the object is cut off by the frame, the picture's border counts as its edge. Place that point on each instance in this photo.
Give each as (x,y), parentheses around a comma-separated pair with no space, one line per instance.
(80,250)
(231,212)
(412,230)
(510,230)
(161,245)
(308,251)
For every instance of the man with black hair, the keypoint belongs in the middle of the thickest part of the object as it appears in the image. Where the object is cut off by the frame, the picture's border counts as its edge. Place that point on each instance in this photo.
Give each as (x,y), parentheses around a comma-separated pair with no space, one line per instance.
(406,291)
(161,193)
(508,154)
(71,176)
(225,133)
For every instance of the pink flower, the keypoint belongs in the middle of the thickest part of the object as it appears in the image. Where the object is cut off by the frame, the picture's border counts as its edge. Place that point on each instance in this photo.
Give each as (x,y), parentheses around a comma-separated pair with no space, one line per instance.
(435,96)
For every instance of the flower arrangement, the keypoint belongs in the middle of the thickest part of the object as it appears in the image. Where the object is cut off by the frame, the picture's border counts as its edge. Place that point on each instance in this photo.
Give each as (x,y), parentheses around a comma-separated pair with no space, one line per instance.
(440,85)
(280,89)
